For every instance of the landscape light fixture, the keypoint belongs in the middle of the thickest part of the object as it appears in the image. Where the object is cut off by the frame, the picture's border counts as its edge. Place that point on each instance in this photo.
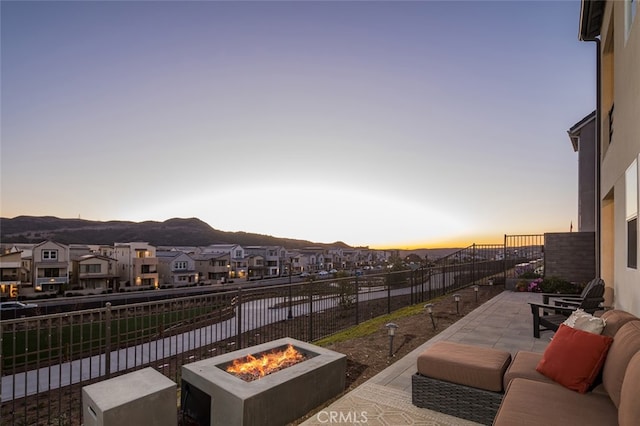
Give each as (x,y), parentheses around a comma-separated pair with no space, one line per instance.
(475,289)
(429,308)
(456,297)
(391,331)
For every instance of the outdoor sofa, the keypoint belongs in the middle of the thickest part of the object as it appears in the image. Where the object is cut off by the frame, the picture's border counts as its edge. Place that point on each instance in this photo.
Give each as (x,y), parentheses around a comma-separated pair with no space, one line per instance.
(589,374)
(589,378)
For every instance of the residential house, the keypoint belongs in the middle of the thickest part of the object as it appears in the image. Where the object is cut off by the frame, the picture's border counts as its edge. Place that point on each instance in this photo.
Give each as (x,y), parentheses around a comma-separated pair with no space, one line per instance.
(212,267)
(293,262)
(327,261)
(350,259)
(238,262)
(583,139)
(50,268)
(381,256)
(12,275)
(93,274)
(614,28)
(137,265)
(337,258)
(314,258)
(76,251)
(26,260)
(105,250)
(274,257)
(256,263)
(255,267)
(176,269)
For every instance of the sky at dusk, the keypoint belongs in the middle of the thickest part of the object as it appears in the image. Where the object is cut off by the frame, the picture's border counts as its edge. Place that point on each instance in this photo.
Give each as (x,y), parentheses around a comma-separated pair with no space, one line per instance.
(386,124)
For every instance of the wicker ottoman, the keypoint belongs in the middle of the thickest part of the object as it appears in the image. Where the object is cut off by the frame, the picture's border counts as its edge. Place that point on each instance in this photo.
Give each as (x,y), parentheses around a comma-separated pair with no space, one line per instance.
(461,380)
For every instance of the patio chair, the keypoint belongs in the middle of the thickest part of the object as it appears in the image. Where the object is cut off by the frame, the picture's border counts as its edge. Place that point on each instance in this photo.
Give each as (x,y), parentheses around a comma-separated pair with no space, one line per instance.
(572,297)
(549,317)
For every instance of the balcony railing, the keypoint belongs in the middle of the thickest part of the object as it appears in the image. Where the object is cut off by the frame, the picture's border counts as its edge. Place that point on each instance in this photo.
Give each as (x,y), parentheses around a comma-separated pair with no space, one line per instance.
(51,280)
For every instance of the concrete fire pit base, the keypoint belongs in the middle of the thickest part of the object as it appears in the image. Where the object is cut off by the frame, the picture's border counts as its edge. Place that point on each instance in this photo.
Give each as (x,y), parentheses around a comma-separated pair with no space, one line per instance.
(212,396)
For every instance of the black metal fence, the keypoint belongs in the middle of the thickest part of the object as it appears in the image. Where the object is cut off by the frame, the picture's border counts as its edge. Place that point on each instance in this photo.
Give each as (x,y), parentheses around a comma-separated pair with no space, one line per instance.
(46,359)
(523,253)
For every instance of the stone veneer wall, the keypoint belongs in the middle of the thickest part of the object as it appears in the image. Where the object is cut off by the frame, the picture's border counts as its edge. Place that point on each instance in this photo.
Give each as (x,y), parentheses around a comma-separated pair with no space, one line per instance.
(570,255)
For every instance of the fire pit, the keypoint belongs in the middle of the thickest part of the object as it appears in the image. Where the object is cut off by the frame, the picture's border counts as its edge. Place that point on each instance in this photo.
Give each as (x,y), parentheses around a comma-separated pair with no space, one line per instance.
(213,396)
(252,367)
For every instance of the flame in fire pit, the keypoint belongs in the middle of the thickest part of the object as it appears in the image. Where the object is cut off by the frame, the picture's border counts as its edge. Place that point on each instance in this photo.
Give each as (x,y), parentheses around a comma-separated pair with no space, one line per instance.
(251,368)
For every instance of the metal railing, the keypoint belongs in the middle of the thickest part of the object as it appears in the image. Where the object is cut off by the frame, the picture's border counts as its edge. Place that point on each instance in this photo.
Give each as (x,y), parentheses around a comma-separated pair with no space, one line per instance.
(52,280)
(523,253)
(47,359)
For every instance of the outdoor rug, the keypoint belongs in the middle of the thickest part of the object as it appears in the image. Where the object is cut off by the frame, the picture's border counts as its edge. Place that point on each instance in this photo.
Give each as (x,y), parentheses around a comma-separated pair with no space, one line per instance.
(375,405)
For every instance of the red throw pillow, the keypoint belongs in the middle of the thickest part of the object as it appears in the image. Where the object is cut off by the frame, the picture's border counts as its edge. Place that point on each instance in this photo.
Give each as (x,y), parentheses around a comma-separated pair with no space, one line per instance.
(574,357)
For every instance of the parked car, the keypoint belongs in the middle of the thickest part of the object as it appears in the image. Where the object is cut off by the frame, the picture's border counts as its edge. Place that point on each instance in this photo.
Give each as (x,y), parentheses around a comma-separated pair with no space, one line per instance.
(304,275)
(323,274)
(16,305)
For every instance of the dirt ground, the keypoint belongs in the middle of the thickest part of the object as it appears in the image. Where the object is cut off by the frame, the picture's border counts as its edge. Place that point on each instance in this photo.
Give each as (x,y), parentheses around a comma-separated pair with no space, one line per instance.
(368,355)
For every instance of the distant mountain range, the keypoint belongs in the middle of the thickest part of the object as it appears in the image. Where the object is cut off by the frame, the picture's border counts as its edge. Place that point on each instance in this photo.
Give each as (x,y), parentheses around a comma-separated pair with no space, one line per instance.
(172,232)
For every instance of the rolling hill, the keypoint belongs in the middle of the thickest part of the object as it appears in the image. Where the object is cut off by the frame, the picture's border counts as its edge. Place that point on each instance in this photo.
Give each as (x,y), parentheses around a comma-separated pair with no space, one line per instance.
(172,232)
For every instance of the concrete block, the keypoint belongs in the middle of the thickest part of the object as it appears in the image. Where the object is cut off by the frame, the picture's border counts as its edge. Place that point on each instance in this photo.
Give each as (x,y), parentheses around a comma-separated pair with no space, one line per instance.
(143,397)
(213,397)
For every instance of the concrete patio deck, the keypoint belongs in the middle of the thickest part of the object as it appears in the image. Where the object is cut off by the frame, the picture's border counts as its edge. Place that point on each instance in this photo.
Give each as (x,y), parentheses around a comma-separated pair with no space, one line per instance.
(504,322)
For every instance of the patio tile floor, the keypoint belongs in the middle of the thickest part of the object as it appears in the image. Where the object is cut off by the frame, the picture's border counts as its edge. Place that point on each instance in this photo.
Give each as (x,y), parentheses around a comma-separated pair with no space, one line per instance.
(504,322)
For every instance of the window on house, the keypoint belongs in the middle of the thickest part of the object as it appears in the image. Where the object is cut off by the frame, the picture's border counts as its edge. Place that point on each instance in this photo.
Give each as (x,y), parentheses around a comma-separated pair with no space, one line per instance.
(238,253)
(49,254)
(632,243)
(90,269)
(51,273)
(181,265)
(631,210)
